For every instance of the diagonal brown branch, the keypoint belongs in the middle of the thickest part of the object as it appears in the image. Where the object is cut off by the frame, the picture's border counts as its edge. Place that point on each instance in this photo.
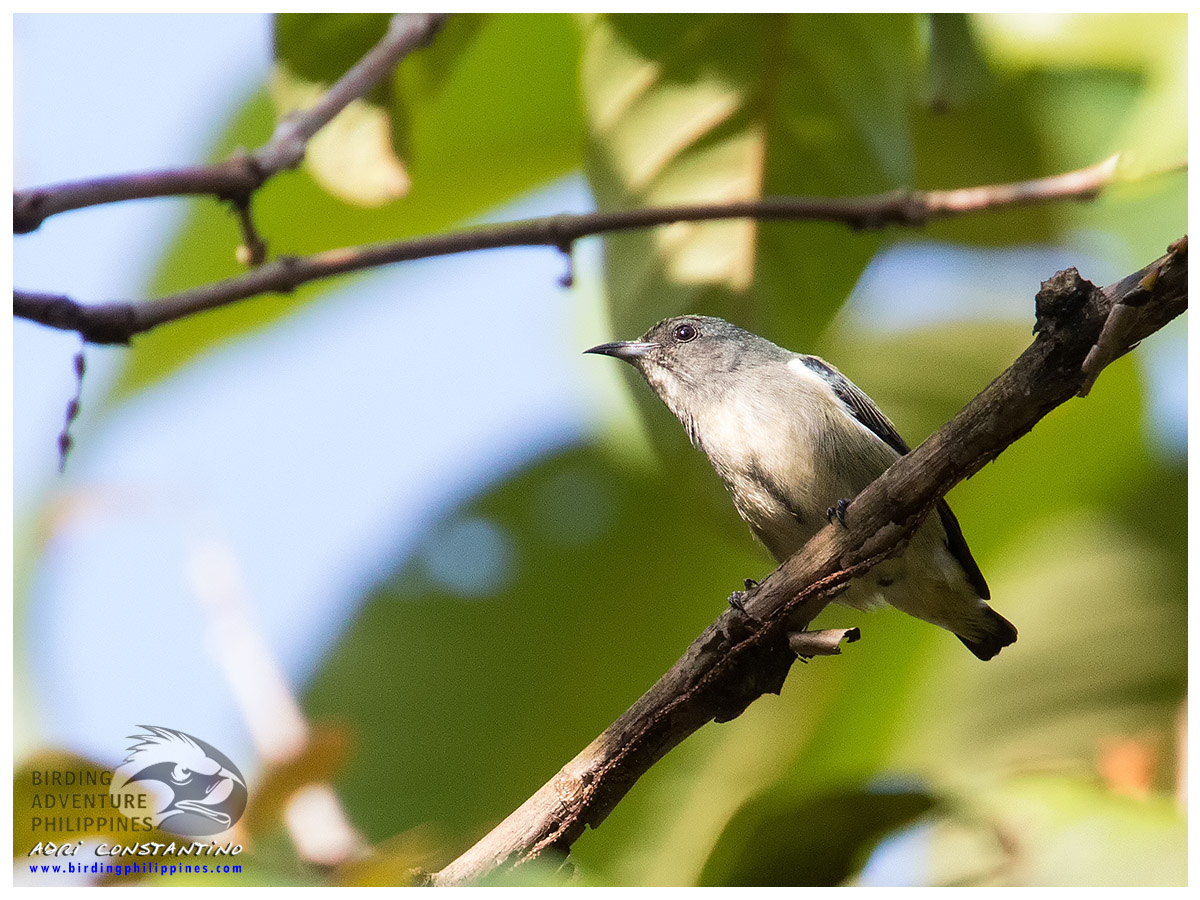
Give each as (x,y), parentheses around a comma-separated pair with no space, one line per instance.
(741,656)
(243,173)
(1124,316)
(116,323)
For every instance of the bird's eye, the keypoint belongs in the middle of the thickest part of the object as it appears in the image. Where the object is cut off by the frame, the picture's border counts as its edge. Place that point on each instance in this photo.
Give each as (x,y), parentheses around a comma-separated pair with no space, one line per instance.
(685,333)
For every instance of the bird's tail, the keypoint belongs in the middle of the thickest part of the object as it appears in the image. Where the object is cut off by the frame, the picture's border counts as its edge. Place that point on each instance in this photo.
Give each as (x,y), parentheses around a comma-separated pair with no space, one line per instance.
(994,634)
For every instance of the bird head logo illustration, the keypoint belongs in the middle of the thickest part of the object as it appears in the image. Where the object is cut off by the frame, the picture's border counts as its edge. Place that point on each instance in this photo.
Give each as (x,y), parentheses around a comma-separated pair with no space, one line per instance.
(197,789)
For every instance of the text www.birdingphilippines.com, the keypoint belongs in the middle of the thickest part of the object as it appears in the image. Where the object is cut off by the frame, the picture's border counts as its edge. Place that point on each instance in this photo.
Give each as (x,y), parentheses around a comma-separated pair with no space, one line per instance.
(150,867)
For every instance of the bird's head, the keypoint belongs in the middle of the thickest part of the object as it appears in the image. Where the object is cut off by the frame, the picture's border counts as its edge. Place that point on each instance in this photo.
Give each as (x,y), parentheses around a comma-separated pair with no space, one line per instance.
(692,359)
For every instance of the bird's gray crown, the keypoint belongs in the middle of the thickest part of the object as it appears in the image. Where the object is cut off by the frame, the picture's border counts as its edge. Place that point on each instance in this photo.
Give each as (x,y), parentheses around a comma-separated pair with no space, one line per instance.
(693,361)
(696,347)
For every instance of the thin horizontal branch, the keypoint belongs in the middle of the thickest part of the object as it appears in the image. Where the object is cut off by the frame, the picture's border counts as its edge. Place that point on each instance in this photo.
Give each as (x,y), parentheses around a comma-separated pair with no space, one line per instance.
(743,655)
(116,323)
(243,173)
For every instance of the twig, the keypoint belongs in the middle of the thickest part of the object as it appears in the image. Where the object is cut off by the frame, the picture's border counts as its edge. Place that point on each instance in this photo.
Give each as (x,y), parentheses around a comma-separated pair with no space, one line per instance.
(243,173)
(253,249)
(807,644)
(1082,184)
(65,440)
(1123,317)
(116,323)
(743,655)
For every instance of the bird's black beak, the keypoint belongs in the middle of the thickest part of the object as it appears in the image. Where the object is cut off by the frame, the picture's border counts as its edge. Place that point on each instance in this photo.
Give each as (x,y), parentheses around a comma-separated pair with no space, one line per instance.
(626,350)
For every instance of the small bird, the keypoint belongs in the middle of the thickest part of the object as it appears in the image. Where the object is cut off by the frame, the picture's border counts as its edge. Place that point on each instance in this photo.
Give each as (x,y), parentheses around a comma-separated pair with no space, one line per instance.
(793,438)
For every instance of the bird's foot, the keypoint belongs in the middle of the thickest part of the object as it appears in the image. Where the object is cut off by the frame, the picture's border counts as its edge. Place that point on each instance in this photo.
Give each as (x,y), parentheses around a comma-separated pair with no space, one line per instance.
(838,512)
(737,600)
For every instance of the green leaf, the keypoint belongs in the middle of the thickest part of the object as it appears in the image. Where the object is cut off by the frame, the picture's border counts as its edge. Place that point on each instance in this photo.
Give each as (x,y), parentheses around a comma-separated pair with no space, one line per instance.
(717,108)
(1090,86)
(428,71)
(803,840)
(958,71)
(992,139)
(499,119)
(1151,48)
(321,47)
(1125,112)
(353,156)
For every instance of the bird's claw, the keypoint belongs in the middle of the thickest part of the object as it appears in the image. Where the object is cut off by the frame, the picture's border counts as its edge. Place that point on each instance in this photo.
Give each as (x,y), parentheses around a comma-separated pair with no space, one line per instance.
(737,600)
(838,512)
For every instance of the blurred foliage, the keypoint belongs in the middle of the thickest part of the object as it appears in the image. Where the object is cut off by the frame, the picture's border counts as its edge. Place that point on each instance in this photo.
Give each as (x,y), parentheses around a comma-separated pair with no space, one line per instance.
(805,839)
(716,108)
(358,157)
(536,612)
(322,757)
(491,677)
(1057,830)
(484,126)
